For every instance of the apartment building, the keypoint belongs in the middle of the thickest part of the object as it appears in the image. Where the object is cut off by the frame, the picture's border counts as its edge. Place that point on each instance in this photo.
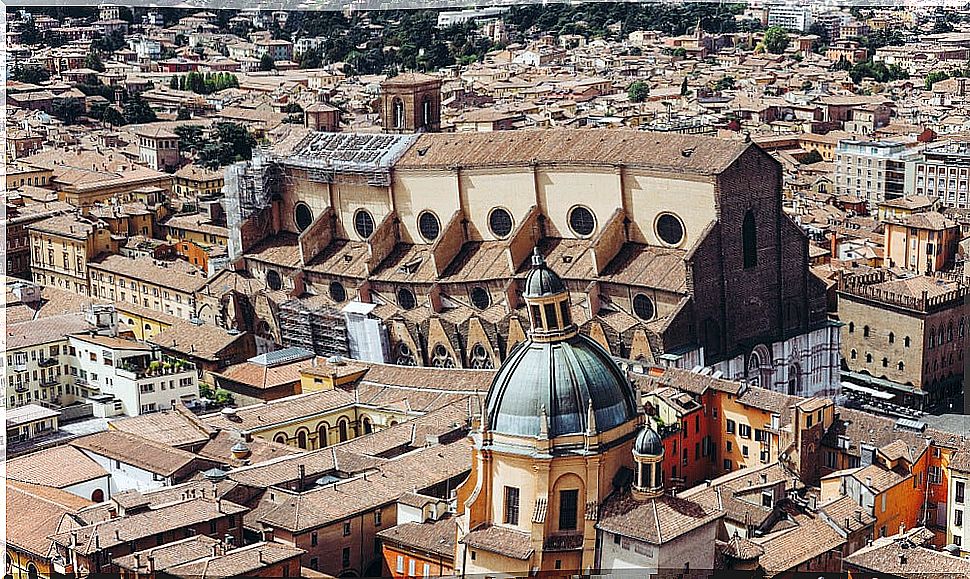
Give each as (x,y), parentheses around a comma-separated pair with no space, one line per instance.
(942,171)
(39,362)
(61,247)
(790,15)
(136,376)
(164,286)
(870,170)
(924,242)
(20,215)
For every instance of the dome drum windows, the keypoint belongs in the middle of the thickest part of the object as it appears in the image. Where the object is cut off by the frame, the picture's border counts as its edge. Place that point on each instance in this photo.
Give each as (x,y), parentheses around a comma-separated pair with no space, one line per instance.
(337,292)
(582,221)
(500,222)
(273,280)
(669,229)
(364,223)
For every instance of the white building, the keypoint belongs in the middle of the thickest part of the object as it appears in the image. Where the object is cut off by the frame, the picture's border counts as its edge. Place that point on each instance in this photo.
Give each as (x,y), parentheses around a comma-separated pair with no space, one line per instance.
(133,373)
(941,171)
(791,15)
(449,18)
(870,170)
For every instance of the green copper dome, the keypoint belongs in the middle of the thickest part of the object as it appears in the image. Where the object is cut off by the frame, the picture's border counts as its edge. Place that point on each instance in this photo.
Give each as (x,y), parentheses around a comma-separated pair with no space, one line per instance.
(555,382)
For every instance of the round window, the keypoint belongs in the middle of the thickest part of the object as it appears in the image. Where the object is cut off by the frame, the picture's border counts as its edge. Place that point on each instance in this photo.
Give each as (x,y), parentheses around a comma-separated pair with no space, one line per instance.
(582,221)
(670,229)
(643,307)
(500,222)
(337,292)
(406,299)
(273,280)
(303,215)
(480,298)
(363,224)
(429,225)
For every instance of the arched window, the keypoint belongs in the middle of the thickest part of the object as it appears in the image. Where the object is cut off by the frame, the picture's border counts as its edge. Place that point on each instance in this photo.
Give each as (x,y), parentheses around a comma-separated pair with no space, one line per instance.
(367,425)
(868,358)
(426,112)
(885,362)
(851,327)
(342,428)
(865,331)
(301,439)
(900,366)
(31,571)
(949,332)
(906,341)
(280,438)
(398,113)
(440,358)
(405,357)
(892,338)
(97,496)
(480,358)
(749,240)
(323,435)
(853,354)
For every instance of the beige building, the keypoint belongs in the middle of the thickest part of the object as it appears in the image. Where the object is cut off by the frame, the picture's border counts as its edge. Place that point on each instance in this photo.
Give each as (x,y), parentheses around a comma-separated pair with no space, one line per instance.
(62,246)
(906,335)
(158,148)
(163,286)
(924,242)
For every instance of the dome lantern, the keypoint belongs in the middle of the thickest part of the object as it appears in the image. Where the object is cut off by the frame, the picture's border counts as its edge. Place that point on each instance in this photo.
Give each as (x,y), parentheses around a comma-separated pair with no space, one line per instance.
(547,300)
(648,454)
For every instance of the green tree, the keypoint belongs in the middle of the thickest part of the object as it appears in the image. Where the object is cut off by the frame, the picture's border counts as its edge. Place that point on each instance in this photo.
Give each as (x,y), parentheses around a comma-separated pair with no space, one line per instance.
(935,77)
(724,83)
(190,137)
(683,87)
(29,33)
(32,74)
(111,116)
(638,91)
(93,61)
(776,39)
(137,111)
(173,83)
(266,62)
(68,110)
(812,157)
(183,114)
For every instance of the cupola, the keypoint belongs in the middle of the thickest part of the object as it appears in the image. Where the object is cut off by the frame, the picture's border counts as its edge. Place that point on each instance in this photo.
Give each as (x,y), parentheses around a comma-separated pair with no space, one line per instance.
(648,455)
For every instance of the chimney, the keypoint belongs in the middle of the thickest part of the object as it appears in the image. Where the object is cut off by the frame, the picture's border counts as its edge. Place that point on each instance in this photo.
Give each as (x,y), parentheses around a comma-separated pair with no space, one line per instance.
(302,470)
(151,565)
(137,561)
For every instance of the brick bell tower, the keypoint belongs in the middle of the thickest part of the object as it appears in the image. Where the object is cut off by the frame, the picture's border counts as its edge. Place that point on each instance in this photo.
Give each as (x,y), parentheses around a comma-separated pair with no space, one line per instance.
(411,103)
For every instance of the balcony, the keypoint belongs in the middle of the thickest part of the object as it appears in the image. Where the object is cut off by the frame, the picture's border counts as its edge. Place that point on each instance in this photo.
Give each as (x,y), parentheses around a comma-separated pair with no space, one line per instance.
(21,388)
(49,383)
(47,362)
(138,368)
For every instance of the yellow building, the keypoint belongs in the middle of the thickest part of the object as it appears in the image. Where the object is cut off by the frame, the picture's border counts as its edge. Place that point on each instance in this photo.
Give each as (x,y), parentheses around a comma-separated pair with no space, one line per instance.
(922,242)
(167,287)
(194,181)
(24,174)
(33,510)
(62,246)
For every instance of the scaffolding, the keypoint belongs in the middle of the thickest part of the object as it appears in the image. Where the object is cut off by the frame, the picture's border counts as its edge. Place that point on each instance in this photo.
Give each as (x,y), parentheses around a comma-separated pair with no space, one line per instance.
(249,187)
(319,327)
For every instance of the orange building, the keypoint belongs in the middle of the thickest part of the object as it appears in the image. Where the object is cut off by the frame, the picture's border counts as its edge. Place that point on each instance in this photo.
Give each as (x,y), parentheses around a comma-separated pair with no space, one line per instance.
(419,549)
